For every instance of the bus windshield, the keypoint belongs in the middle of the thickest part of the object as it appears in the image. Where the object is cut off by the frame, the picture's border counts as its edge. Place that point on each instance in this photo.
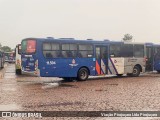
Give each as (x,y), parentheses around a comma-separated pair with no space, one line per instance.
(29,46)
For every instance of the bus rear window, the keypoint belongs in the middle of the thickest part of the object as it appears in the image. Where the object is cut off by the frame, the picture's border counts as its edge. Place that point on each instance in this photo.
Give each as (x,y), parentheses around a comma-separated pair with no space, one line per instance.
(29,46)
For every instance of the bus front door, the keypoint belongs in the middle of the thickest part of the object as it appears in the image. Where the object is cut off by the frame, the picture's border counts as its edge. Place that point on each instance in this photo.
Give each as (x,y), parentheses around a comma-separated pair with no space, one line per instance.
(101,60)
(149,61)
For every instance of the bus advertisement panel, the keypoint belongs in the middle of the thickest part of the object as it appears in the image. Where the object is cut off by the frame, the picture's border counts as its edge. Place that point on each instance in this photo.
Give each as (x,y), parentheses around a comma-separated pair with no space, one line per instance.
(69,58)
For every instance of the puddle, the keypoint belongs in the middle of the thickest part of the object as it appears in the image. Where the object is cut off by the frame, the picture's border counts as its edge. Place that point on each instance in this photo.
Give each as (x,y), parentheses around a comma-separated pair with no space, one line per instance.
(9,75)
(100,90)
(9,107)
(9,89)
(10,71)
(50,85)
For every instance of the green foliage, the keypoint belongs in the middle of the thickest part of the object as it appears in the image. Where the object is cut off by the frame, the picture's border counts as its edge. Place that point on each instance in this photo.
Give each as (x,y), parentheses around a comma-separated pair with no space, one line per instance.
(127,37)
(6,49)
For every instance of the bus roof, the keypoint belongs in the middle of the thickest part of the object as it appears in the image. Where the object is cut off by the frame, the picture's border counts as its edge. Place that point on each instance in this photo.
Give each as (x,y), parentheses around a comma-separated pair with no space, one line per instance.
(152,44)
(72,40)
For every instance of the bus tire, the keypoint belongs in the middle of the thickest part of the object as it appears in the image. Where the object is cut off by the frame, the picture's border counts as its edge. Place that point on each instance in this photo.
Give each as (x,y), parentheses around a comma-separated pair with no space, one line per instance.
(136,71)
(158,71)
(83,74)
(18,72)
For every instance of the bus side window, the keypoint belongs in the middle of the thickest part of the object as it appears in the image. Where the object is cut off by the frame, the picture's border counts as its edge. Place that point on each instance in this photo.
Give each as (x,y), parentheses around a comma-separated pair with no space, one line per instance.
(69,50)
(139,51)
(51,50)
(79,55)
(85,51)
(58,54)
(69,54)
(49,55)
(115,50)
(64,54)
(127,50)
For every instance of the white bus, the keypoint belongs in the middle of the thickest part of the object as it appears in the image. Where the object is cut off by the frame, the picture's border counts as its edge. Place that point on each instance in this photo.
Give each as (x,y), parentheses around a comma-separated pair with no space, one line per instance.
(127,58)
(18,59)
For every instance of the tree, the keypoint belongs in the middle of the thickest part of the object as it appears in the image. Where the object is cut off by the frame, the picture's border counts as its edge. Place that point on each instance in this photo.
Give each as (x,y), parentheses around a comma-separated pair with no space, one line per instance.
(0,45)
(127,38)
(6,49)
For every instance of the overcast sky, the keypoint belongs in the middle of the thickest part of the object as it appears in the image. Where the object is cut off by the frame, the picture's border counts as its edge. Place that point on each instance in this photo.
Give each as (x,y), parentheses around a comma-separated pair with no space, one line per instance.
(80,19)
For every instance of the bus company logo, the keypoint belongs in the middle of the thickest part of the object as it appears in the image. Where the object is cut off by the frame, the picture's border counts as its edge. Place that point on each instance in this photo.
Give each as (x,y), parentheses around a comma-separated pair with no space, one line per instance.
(73,63)
(6,114)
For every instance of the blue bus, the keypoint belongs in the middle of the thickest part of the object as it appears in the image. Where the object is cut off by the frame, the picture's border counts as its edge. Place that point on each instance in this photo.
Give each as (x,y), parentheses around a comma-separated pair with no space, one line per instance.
(153,57)
(69,58)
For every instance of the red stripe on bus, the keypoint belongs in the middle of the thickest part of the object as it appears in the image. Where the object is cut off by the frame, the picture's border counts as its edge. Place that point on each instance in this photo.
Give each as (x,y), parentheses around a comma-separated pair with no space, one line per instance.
(98,68)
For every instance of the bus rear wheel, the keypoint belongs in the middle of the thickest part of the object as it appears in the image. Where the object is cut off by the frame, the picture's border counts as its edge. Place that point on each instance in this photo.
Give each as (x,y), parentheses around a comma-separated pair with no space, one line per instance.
(158,71)
(136,71)
(83,74)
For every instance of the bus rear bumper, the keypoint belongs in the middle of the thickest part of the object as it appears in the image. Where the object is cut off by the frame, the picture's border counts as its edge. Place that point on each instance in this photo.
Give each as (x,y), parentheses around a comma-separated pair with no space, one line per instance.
(32,73)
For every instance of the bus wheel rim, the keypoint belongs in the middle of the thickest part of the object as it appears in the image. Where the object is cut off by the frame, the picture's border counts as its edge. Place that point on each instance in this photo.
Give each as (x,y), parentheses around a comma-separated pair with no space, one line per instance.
(83,74)
(135,71)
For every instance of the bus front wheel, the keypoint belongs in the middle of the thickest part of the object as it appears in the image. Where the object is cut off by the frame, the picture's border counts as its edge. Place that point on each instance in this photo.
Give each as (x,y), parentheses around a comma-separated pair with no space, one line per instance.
(136,71)
(83,74)
(18,72)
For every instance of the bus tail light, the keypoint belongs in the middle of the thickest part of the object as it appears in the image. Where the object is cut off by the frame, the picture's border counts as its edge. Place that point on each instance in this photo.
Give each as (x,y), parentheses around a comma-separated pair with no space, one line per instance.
(145,59)
(37,71)
(36,64)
